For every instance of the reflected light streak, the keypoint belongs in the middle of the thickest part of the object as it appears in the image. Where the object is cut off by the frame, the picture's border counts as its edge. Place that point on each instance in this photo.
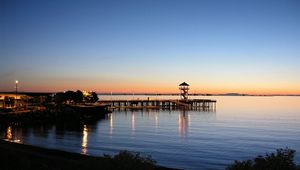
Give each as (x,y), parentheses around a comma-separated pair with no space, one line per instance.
(84,140)
(132,123)
(156,120)
(8,133)
(10,137)
(150,115)
(111,125)
(189,120)
(182,124)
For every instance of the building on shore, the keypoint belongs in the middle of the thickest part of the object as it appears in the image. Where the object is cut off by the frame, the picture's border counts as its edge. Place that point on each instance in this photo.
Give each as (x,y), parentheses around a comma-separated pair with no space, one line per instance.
(10,100)
(21,100)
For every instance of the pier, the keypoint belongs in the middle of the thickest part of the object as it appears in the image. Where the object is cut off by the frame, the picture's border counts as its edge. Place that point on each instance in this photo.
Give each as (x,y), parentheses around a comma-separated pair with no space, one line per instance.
(165,104)
(190,104)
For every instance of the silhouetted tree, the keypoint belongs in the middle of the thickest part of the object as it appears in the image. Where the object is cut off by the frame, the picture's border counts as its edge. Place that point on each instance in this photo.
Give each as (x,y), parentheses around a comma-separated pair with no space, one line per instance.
(78,97)
(131,160)
(282,160)
(94,97)
(75,97)
(70,95)
(91,98)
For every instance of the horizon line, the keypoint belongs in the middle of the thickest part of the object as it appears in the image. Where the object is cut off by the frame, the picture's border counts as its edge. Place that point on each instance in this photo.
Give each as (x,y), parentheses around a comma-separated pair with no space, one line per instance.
(149,93)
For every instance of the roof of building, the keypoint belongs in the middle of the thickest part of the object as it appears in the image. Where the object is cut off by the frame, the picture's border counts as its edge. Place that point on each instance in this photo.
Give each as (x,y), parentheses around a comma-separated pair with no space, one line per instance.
(184,84)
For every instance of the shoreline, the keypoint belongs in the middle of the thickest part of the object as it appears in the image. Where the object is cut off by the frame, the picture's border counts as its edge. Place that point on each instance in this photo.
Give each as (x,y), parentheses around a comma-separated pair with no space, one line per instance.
(22,156)
(52,114)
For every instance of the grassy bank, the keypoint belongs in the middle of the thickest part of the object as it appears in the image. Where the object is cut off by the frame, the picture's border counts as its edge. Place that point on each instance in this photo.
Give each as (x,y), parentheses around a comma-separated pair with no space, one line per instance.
(19,156)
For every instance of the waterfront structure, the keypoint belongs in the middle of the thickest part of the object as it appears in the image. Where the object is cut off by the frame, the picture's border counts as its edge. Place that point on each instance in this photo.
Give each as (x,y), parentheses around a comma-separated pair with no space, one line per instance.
(8,100)
(184,90)
(182,103)
(166,104)
(21,100)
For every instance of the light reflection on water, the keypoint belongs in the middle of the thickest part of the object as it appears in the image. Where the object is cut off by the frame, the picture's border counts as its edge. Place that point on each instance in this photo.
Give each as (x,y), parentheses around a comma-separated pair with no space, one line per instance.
(111,124)
(84,140)
(10,136)
(8,133)
(182,123)
(241,128)
(132,124)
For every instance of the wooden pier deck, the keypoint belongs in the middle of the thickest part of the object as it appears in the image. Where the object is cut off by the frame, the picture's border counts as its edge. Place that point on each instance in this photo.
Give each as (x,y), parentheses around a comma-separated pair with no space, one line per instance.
(192,104)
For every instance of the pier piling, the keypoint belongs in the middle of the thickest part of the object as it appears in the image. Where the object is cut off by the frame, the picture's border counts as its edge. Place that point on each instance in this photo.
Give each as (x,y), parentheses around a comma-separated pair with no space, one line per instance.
(192,104)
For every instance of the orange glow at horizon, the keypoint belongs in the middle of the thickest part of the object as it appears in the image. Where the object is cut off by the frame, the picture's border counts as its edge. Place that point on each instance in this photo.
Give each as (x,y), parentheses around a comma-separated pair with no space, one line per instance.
(154,90)
(163,87)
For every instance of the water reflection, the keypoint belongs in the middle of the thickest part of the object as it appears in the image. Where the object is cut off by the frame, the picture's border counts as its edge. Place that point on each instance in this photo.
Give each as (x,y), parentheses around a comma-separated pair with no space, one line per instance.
(8,133)
(183,122)
(241,127)
(84,140)
(111,125)
(12,136)
(156,120)
(132,123)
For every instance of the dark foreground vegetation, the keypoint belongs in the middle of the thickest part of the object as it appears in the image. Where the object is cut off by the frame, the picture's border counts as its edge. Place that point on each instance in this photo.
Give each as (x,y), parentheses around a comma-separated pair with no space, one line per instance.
(18,156)
(283,159)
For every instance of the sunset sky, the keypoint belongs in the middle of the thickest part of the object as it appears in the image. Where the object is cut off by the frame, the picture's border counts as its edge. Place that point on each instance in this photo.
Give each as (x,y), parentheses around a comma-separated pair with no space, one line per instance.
(151,46)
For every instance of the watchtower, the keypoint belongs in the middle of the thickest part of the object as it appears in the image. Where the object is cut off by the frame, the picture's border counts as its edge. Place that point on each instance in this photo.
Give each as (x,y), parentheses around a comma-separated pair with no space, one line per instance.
(184,90)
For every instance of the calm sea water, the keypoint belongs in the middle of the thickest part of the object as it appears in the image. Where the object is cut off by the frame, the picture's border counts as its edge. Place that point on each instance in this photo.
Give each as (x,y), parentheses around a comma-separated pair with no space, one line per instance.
(241,128)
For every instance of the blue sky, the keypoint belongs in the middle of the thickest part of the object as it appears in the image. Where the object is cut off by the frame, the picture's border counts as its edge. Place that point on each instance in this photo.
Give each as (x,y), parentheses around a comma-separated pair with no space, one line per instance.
(151,46)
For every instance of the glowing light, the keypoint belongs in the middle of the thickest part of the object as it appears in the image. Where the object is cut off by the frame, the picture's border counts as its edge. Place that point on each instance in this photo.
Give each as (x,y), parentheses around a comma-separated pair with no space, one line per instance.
(84,140)
(85,93)
(17,81)
(9,136)
(9,133)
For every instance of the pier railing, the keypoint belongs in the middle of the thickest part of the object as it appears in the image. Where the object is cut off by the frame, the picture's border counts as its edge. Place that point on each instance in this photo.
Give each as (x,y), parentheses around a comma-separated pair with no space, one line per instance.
(192,104)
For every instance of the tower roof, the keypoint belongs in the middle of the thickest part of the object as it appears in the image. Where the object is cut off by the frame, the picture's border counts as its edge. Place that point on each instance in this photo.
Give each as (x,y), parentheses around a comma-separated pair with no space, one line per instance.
(184,84)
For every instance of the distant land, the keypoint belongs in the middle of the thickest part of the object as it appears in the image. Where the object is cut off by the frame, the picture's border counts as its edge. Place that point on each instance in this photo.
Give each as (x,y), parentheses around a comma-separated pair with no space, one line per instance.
(198,94)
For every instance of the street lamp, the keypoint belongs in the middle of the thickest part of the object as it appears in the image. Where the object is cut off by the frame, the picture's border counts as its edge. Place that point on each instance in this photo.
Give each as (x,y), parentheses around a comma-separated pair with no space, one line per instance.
(17,82)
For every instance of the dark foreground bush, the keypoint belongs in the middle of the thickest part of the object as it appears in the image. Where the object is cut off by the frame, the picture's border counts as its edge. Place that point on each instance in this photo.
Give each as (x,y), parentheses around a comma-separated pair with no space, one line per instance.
(283,159)
(15,156)
(132,160)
